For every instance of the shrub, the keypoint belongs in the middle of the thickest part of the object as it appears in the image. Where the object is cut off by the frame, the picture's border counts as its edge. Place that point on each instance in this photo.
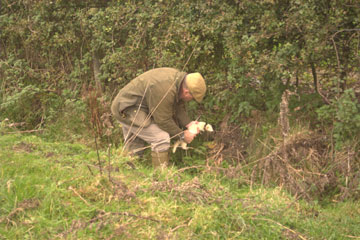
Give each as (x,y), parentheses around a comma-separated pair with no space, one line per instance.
(344,113)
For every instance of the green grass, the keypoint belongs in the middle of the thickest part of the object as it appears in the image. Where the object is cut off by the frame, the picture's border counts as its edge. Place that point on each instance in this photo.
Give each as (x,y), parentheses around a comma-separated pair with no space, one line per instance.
(48,192)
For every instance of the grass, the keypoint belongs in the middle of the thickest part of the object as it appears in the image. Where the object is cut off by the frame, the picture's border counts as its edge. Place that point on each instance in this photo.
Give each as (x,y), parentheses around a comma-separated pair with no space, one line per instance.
(54,190)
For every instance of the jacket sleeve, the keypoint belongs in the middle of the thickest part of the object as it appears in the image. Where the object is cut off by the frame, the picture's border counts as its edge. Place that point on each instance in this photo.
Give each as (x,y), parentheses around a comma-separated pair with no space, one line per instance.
(181,114)
(162,110)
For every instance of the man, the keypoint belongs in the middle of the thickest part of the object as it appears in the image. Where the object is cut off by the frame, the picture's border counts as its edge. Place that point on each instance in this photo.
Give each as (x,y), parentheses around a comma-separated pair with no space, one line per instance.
(151,108)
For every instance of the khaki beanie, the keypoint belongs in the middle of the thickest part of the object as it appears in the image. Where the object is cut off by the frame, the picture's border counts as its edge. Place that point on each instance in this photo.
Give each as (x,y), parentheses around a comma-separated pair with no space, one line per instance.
(196,85)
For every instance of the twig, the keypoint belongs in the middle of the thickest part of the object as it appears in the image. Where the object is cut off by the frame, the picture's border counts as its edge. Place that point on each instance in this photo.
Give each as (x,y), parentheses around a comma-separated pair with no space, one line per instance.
(77,194)
(177,227)
(90,170)
(26,131)
(281,158)
(215,157)
(133,215)
(348,167)
(186,168)
(349,236)
(109,157)
(289,229)
(132,138)
(11,214)
(98,156)
(277,155)
(68,180)
(190,55)
(336,51)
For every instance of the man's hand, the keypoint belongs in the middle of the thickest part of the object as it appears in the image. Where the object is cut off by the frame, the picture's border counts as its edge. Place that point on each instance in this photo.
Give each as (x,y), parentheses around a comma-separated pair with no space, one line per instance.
(188,136)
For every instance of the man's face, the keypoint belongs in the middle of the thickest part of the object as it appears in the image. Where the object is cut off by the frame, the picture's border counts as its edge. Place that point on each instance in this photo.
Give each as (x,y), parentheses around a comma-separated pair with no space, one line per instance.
(186,95)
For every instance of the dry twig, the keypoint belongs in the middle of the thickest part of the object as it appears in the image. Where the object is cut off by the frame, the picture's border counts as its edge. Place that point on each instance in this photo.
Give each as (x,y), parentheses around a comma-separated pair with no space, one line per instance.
(77,194)
(289,229)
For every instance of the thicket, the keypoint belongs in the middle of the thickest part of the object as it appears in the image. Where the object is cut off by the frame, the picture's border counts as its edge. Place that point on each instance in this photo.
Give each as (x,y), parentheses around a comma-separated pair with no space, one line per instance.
(62,62)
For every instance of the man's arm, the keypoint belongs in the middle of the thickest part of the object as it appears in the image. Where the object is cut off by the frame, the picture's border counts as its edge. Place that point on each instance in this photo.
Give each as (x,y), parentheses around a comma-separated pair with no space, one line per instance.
(162,109)
(181,114)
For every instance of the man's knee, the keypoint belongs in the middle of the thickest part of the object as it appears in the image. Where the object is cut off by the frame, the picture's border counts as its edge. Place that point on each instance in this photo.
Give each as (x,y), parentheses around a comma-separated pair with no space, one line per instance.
(161,142)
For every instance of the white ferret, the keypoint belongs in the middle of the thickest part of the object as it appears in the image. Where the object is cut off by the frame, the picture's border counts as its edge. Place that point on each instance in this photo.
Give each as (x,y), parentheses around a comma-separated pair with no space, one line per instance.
(201,126)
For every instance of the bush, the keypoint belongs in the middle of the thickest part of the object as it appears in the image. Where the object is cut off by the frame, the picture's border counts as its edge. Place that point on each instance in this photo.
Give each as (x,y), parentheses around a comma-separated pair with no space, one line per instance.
(23,105)
(344,113)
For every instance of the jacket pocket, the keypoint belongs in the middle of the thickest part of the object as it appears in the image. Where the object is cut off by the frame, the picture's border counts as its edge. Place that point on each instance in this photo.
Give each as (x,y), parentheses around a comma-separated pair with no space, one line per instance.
(137,117)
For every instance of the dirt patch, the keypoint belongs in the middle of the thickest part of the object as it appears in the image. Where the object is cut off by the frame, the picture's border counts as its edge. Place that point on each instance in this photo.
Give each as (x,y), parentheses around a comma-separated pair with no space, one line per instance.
(24,147)
(23,206)
(116,220)
(189,191)
(29,203)
(105,188)
(50,154)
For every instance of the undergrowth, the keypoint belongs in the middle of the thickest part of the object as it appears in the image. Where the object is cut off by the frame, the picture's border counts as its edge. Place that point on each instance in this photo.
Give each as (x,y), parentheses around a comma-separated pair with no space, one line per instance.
(55,190)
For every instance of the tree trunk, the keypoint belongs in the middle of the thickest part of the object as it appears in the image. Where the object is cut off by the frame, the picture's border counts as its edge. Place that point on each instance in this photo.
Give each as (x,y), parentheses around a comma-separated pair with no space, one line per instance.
(313,71)
(97,72)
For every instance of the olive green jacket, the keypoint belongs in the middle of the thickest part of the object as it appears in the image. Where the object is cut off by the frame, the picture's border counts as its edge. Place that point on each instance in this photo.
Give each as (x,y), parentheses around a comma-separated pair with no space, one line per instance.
(156,92)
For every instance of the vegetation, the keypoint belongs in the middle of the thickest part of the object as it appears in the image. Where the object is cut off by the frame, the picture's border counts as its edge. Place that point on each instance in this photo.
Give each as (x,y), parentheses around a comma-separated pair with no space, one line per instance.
(283,97)
(54,190)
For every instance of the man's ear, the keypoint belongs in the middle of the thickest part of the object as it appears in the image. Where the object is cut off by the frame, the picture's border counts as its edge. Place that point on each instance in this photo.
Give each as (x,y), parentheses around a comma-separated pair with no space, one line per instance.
(186,90)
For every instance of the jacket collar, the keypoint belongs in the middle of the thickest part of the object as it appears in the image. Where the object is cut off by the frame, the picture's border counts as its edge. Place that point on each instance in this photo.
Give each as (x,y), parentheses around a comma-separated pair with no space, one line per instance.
(180,77)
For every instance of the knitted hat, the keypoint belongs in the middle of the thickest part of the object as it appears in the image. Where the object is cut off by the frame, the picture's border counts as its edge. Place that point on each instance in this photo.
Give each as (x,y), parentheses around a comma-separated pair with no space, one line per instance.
(196,85)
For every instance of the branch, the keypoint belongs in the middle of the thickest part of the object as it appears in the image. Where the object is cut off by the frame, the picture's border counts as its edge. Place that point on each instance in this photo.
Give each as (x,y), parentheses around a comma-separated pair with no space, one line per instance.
(27,131)
(332,39)
(289,229)
(77,194)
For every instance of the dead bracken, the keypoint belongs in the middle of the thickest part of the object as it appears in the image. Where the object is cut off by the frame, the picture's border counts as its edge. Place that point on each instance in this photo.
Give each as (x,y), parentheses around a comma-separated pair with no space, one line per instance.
(303,162)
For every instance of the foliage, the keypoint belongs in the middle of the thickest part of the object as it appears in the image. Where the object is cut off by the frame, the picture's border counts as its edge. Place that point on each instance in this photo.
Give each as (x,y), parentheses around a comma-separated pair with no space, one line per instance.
(73,114)
(62,62)
(347,125)
(248,51)
(24,105)
(345,113)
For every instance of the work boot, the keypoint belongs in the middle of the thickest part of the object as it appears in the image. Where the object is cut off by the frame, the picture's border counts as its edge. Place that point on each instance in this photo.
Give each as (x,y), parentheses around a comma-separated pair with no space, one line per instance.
(160,159)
